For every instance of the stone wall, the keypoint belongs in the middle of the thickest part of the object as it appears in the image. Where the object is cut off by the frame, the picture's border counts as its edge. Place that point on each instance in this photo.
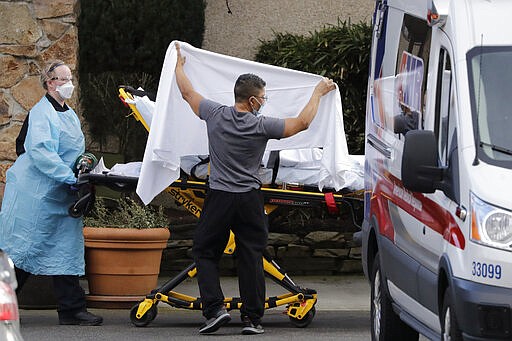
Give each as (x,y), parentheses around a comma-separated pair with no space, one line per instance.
(31,32)
(317,253)
(320,245)
(239,33)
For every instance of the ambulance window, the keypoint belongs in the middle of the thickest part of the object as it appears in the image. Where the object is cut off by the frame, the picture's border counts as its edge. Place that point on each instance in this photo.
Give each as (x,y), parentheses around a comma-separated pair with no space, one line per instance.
(399,96)
(490,76)
(444,105)
(411,70)
(414,39)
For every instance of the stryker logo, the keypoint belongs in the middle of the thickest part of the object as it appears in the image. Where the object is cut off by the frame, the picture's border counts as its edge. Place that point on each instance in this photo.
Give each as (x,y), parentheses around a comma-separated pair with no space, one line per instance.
(187,203)
(407,197)
(288,202)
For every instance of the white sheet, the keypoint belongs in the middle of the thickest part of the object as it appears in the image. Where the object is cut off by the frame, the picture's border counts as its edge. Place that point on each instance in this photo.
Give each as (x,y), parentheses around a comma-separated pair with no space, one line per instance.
(298,166)
(145,106)
(177,131)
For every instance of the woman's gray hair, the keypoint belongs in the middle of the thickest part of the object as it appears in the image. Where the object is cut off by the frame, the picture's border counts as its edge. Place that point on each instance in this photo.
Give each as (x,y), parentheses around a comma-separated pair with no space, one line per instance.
(48,71)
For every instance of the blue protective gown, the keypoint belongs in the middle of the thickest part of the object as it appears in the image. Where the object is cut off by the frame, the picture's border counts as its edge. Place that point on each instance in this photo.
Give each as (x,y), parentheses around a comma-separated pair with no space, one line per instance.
(35,228)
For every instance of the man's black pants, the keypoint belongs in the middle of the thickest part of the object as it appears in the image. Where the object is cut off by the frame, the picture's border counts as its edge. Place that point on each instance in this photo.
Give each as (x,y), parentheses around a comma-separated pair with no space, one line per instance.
(68,292)
(244,214)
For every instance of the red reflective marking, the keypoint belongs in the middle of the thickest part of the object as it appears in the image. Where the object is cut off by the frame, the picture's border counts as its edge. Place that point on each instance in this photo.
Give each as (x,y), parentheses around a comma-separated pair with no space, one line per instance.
(456,238)
(431,214)
(379,209)
(331,203)
(123,100)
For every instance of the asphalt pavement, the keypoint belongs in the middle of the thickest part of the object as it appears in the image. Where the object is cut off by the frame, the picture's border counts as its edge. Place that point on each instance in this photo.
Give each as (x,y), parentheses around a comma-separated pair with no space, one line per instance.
(342,312)
(184,325)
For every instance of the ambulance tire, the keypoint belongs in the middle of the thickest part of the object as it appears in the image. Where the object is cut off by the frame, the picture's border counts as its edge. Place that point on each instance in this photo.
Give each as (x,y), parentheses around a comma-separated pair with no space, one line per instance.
(449,325)
(385,323)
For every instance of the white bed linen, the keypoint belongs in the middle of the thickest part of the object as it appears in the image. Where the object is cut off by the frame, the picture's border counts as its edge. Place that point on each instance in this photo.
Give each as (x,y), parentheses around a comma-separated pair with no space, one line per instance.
(176,131)
(296,166)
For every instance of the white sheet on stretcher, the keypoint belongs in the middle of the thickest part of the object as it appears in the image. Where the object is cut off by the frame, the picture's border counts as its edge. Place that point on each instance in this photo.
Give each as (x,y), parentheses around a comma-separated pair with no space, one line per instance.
(176,131)
(285,175)
(305,171)
(300,166)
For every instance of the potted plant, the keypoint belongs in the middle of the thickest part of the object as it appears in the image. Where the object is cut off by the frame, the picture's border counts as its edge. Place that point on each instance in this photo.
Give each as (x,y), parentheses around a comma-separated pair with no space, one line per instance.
(123,250)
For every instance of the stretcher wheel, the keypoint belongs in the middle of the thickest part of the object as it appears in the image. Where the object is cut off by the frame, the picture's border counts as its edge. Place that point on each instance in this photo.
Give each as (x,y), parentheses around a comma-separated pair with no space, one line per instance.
(74,212)
(145,319)
(305,321)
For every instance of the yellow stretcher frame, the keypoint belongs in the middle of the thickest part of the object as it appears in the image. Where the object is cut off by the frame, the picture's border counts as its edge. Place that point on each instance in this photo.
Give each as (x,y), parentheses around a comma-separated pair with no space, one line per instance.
(300,302)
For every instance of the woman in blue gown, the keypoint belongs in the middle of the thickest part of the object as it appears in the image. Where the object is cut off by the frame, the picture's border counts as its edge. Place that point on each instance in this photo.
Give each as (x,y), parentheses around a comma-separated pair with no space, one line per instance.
(35,228)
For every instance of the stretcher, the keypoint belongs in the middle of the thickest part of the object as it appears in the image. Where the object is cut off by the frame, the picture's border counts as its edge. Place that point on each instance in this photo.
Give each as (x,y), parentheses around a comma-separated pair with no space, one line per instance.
(308,166)
(190,193)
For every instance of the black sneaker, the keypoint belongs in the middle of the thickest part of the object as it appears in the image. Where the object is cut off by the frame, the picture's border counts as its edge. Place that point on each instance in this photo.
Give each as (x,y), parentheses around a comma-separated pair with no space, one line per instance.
(82,318)
(250,327)
(214,323)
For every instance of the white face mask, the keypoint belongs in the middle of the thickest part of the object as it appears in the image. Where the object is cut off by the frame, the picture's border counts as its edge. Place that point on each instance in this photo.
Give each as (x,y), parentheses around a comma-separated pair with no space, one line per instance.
(65,90)
(257,112)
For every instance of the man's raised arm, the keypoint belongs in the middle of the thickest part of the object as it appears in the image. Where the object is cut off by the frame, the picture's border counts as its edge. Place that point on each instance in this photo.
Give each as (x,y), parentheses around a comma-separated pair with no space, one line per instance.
(188,93)
(297,124)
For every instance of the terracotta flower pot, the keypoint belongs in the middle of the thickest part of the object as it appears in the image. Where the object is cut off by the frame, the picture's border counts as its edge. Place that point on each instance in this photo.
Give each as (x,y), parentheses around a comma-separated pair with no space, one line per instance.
(122,264)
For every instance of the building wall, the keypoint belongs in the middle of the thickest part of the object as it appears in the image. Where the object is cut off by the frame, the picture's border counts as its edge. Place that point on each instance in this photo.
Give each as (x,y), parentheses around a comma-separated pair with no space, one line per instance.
(239,33)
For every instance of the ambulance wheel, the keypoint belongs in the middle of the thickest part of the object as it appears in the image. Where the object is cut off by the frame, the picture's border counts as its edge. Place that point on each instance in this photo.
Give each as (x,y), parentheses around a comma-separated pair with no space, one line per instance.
(305,321)
(450,327)
(385,323)
(145,319)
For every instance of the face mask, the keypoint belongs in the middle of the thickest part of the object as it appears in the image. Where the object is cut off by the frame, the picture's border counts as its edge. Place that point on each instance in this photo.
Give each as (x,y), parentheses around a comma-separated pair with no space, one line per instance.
(257,112)
(66,90)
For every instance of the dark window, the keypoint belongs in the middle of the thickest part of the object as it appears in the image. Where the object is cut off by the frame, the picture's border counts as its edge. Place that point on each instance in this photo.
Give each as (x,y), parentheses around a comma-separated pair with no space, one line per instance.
(443,104)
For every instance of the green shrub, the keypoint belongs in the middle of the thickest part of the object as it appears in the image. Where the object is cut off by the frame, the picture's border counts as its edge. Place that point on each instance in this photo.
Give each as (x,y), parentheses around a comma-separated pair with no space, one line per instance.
(340,52)
(123,42)
(133,35)
(106,116)
(126,213)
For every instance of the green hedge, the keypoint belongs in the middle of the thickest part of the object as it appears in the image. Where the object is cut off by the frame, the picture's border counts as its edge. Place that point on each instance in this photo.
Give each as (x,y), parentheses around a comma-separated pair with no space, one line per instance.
(133,35)
(340,52)
(123,42)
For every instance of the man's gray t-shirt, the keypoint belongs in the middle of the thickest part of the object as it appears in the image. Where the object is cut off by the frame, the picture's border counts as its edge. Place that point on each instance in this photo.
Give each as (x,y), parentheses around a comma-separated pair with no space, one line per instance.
(237,141)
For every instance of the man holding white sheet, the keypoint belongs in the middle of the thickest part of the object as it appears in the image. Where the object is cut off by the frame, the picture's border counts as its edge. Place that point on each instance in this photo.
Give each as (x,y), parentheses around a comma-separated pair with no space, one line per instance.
(237,138)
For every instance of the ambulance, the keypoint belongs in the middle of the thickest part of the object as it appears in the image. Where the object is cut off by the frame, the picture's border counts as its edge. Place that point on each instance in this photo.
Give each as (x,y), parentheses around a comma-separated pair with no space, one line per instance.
(437,231)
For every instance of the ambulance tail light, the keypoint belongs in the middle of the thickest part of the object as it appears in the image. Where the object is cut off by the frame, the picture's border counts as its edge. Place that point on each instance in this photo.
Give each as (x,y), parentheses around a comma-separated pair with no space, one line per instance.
(490,225)
(8,301)
(8,304)
(437,12)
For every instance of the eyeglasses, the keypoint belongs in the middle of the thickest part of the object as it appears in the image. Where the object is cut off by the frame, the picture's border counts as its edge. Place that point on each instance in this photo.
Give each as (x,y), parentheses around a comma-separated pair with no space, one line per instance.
(265,98)
(64,79)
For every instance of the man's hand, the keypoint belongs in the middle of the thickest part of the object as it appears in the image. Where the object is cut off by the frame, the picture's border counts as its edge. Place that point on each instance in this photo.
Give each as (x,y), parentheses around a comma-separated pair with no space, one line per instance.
(181,60)
(297,124)
(188,93)
(325,86)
